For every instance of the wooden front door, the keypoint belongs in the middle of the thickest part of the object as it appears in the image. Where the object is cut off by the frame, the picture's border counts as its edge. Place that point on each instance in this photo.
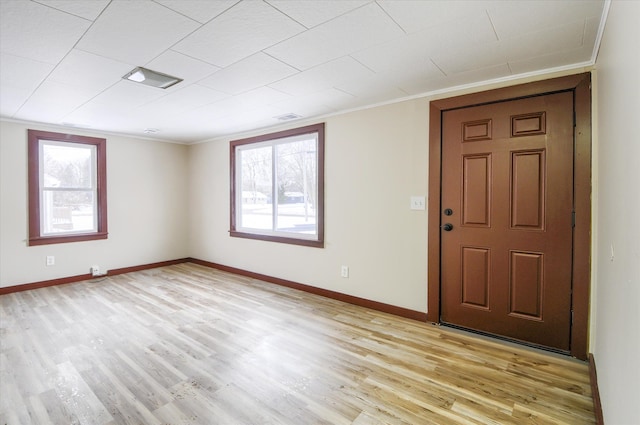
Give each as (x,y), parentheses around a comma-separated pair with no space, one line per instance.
(507,218)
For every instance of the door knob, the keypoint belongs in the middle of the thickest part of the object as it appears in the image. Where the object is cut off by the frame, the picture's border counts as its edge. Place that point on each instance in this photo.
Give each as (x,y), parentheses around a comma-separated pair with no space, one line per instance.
(447,227)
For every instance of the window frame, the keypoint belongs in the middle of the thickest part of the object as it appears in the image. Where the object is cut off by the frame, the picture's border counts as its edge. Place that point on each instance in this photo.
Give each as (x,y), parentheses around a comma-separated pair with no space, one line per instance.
(34,188)
(272,140)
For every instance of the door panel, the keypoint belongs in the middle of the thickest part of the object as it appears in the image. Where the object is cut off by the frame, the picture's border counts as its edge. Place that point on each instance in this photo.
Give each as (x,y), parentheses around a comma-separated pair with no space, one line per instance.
(507,174)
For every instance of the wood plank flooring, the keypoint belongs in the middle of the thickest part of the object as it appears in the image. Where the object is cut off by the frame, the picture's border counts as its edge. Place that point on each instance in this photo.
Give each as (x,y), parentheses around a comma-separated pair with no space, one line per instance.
(186,344)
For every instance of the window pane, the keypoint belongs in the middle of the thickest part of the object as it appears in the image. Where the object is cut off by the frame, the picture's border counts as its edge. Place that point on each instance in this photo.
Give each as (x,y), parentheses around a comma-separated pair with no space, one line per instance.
(66,165)
(296,171)
(68,211)
(256,177)
(277,187)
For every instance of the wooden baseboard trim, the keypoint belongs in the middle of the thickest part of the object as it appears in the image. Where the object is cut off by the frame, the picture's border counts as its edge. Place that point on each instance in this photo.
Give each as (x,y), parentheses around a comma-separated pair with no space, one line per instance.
(88,276)
(362,302)
(595,393)
(147,266)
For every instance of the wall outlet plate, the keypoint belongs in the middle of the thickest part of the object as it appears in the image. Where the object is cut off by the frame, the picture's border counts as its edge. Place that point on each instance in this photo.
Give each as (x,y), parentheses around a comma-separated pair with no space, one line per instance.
(95,270)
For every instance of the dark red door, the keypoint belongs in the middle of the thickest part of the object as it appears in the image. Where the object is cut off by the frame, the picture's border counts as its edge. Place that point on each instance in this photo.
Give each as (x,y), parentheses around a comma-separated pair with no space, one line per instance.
(507,192)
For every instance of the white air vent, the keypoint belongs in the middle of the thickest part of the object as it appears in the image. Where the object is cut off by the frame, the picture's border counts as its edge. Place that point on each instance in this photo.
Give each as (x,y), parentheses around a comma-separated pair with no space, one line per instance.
(288,117)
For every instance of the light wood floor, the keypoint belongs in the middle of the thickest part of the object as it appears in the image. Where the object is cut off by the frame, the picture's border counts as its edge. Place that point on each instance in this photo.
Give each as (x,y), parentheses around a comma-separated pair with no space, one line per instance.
(190,345)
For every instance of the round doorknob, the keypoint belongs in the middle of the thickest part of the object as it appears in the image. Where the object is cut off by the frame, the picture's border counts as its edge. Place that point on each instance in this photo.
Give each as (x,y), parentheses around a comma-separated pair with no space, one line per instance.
(447,227)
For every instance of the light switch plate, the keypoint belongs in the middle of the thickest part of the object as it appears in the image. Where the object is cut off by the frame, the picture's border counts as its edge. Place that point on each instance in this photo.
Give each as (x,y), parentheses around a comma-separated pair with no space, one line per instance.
(418,203)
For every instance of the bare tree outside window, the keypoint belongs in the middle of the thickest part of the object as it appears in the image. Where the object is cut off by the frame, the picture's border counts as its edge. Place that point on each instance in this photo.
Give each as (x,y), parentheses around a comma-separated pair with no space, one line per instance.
(277,186)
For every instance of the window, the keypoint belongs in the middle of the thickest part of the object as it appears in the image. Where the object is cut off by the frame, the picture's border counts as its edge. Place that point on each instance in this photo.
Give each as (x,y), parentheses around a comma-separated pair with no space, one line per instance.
(277,187)
(67,188)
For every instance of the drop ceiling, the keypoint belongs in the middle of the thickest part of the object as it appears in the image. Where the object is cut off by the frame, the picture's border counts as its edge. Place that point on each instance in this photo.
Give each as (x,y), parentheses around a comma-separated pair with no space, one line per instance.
(246,63)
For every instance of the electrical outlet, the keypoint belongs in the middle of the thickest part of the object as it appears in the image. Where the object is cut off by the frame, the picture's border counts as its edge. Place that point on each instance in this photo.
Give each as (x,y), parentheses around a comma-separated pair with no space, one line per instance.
(51,260)
(344,271)
(95,270)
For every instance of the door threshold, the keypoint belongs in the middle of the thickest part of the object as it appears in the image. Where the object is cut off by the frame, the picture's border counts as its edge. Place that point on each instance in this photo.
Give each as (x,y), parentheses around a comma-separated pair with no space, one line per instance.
(510,341)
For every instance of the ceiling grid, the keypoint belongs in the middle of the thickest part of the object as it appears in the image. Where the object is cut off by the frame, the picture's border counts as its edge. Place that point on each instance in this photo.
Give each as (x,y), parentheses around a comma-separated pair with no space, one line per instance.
(246,62)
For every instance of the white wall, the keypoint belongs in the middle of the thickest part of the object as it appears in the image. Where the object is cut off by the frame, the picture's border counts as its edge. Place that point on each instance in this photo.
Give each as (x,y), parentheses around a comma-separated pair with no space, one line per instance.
(147,209)
(616,313)
(375,160)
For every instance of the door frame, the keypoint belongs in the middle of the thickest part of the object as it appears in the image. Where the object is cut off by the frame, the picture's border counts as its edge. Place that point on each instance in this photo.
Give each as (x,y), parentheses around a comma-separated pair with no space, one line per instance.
(580,85)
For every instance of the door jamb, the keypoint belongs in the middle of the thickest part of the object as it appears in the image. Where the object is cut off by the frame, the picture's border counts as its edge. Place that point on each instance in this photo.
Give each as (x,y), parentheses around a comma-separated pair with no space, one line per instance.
(580,84)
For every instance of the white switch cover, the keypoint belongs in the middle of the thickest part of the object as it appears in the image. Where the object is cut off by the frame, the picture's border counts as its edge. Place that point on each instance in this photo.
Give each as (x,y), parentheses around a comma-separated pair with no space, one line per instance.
(344,271)
(418,203)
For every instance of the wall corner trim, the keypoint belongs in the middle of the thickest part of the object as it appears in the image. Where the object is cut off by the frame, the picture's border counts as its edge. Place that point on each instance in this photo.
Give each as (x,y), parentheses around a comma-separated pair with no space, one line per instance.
(595,393)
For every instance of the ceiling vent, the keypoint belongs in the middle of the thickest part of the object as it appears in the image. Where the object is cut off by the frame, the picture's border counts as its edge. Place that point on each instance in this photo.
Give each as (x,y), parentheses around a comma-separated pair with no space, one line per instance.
(288,117)
(151,78)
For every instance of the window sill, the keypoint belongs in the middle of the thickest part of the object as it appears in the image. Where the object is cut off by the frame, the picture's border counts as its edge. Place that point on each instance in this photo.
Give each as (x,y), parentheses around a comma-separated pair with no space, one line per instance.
(81,237)
(281,239)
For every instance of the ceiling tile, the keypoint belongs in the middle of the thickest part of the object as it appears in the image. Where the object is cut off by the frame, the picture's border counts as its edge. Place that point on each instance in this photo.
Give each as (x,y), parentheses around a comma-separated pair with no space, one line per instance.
(406,55)
(241,31)
(187,98)
(87,71)
(475,75)
(460,60)
(515,18)
(199,10)
(375,88)
(265,115)
(333,98)
(552,60)
(135,31)
(181,66)
(303,106)
(249,73)
(239,105)
(38,32)
(312,13)
(85,9)
(356,30)
(127,95)
(323,76)
(554,39)
(414,15)
(260,97)
(461,35)
(94,115)
(11,100)
(52,101)
(19,72)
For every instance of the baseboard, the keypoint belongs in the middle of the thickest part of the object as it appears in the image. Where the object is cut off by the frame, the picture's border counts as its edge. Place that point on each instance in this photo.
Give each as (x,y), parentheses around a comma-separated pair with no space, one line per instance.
(595,393)
(362,302)
(81,277)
